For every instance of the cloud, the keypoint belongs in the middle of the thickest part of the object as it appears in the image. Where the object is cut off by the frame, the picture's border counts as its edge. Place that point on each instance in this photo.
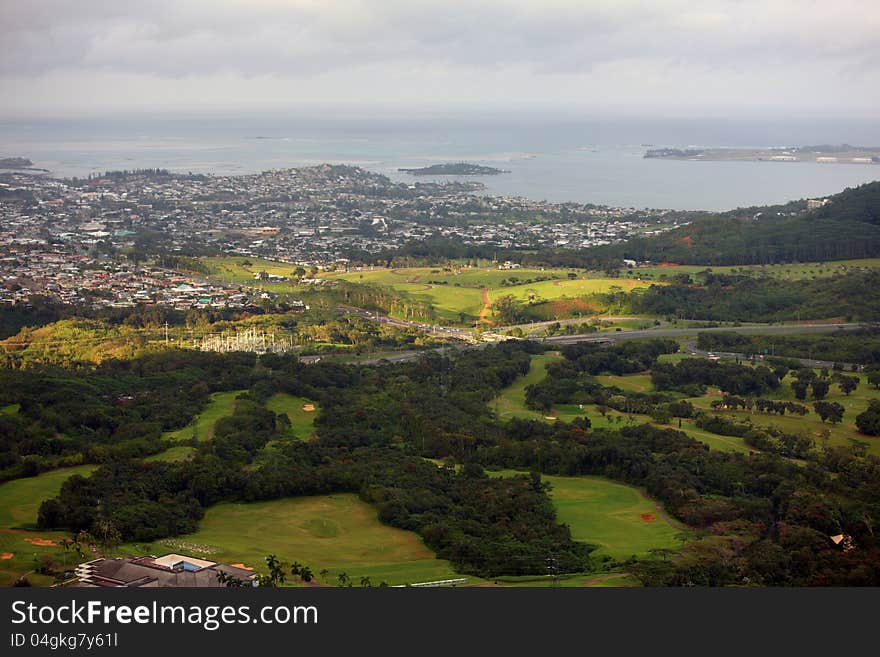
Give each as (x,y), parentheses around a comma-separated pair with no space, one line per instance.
(551,46)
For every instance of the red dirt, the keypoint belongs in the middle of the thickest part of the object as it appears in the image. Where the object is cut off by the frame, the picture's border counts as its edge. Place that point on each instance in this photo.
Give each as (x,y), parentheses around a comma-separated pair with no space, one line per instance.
(487,308)
(688,241)
(6,555)
(42,542)
(308,408)
(240,565)
(648,517)
(669,264)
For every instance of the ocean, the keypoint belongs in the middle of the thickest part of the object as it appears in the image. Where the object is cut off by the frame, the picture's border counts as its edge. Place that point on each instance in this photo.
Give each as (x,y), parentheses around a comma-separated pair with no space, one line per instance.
(553,159)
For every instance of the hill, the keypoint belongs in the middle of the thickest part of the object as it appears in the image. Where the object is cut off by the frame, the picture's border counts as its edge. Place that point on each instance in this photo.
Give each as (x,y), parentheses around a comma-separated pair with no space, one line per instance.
(848,226)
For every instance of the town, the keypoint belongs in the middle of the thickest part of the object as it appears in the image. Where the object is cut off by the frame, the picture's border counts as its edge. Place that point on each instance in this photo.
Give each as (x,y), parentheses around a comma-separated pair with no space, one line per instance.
(89,241)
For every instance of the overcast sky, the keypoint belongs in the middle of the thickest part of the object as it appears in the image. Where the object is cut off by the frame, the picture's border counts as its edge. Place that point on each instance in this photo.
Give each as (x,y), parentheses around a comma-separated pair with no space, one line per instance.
(729,58)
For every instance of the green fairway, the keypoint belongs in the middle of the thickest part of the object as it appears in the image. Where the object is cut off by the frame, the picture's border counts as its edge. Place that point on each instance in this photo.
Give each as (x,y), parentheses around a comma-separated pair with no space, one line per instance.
(20,502)
(632,382)
(202,427)
(178,453)
(838,435)
(511,401)
(20,499)
(336,532)
(301,411)
(620,520)
(12,409)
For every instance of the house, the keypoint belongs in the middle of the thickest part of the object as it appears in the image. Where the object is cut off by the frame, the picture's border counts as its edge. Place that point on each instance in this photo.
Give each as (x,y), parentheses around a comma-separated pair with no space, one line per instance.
(171,570)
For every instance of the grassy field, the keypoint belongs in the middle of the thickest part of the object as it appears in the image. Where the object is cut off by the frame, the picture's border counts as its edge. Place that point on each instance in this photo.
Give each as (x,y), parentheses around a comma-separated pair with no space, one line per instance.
(301,411)
(11,409)
(459,294)
(792,271)
(336,532)
(19,503)
(841,434)
(178,453)
(511,403)
(620,520)
(202,427)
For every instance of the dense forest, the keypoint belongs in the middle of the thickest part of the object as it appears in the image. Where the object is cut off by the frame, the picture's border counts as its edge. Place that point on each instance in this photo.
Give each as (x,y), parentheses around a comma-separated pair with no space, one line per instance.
(854,296)
(861,346)
(845,228)
(759,519)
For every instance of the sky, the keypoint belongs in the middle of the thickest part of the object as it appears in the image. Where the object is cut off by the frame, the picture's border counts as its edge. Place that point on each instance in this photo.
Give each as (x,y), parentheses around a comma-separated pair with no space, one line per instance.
(670,58)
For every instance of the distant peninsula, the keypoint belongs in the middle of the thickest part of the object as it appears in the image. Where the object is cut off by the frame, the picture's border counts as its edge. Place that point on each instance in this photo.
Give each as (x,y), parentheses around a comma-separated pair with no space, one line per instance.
(456,169)
(21,163)
(823,154)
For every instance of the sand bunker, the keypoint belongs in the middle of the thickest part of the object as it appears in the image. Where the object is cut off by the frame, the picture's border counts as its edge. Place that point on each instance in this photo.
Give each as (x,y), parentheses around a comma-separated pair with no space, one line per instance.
(308,408)
(42,542)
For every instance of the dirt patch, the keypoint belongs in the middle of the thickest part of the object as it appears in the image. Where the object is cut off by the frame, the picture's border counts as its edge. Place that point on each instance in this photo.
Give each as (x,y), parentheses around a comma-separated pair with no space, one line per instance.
(240,565)
(41,542)
(688,241)
(648,517)
(6,555)
(487,308)
(669,264)
(309,408)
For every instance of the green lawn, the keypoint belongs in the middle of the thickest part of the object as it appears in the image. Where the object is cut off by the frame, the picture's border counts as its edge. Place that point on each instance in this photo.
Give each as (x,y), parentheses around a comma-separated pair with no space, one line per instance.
(178,453)
(511,400)
(619,519)
(202,427)
(457,295)
(510,403)
(793,271)
(336,532)
(631,382)
(11,409)
(20,501)
(301,411)
(841,434)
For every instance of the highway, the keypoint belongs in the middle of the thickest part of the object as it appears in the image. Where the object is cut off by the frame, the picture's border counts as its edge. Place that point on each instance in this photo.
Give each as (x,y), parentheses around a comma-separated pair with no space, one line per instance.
(751,329)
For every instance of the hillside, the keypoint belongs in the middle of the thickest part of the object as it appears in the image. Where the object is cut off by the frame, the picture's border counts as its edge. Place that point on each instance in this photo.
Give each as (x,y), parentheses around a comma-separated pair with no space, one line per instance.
(846,227)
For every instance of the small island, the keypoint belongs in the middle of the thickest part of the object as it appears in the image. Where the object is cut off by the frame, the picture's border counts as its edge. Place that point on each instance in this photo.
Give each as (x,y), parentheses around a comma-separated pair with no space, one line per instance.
(455,169)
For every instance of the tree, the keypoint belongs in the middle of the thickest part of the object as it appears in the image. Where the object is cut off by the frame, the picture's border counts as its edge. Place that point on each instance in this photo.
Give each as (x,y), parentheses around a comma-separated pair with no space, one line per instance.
(874,378)
(800,389)
(868,422)
(832,411)
(848,383)
(820,388)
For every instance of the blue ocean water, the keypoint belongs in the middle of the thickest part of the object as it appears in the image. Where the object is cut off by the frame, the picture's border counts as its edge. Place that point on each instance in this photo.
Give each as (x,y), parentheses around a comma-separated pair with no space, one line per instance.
(588,161)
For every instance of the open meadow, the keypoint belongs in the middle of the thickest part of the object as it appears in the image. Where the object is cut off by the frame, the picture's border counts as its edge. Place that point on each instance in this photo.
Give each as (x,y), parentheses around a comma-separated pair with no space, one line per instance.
(338,533)
(619,520)
(464,295)
(21,546)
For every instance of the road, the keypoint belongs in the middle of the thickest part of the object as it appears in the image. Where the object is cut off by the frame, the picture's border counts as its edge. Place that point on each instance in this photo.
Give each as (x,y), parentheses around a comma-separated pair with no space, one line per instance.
(806,362)
(748,329)
(752,329)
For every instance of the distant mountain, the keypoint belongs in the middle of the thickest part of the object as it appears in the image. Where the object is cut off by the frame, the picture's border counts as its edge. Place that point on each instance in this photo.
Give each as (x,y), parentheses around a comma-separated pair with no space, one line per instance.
(846,226)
